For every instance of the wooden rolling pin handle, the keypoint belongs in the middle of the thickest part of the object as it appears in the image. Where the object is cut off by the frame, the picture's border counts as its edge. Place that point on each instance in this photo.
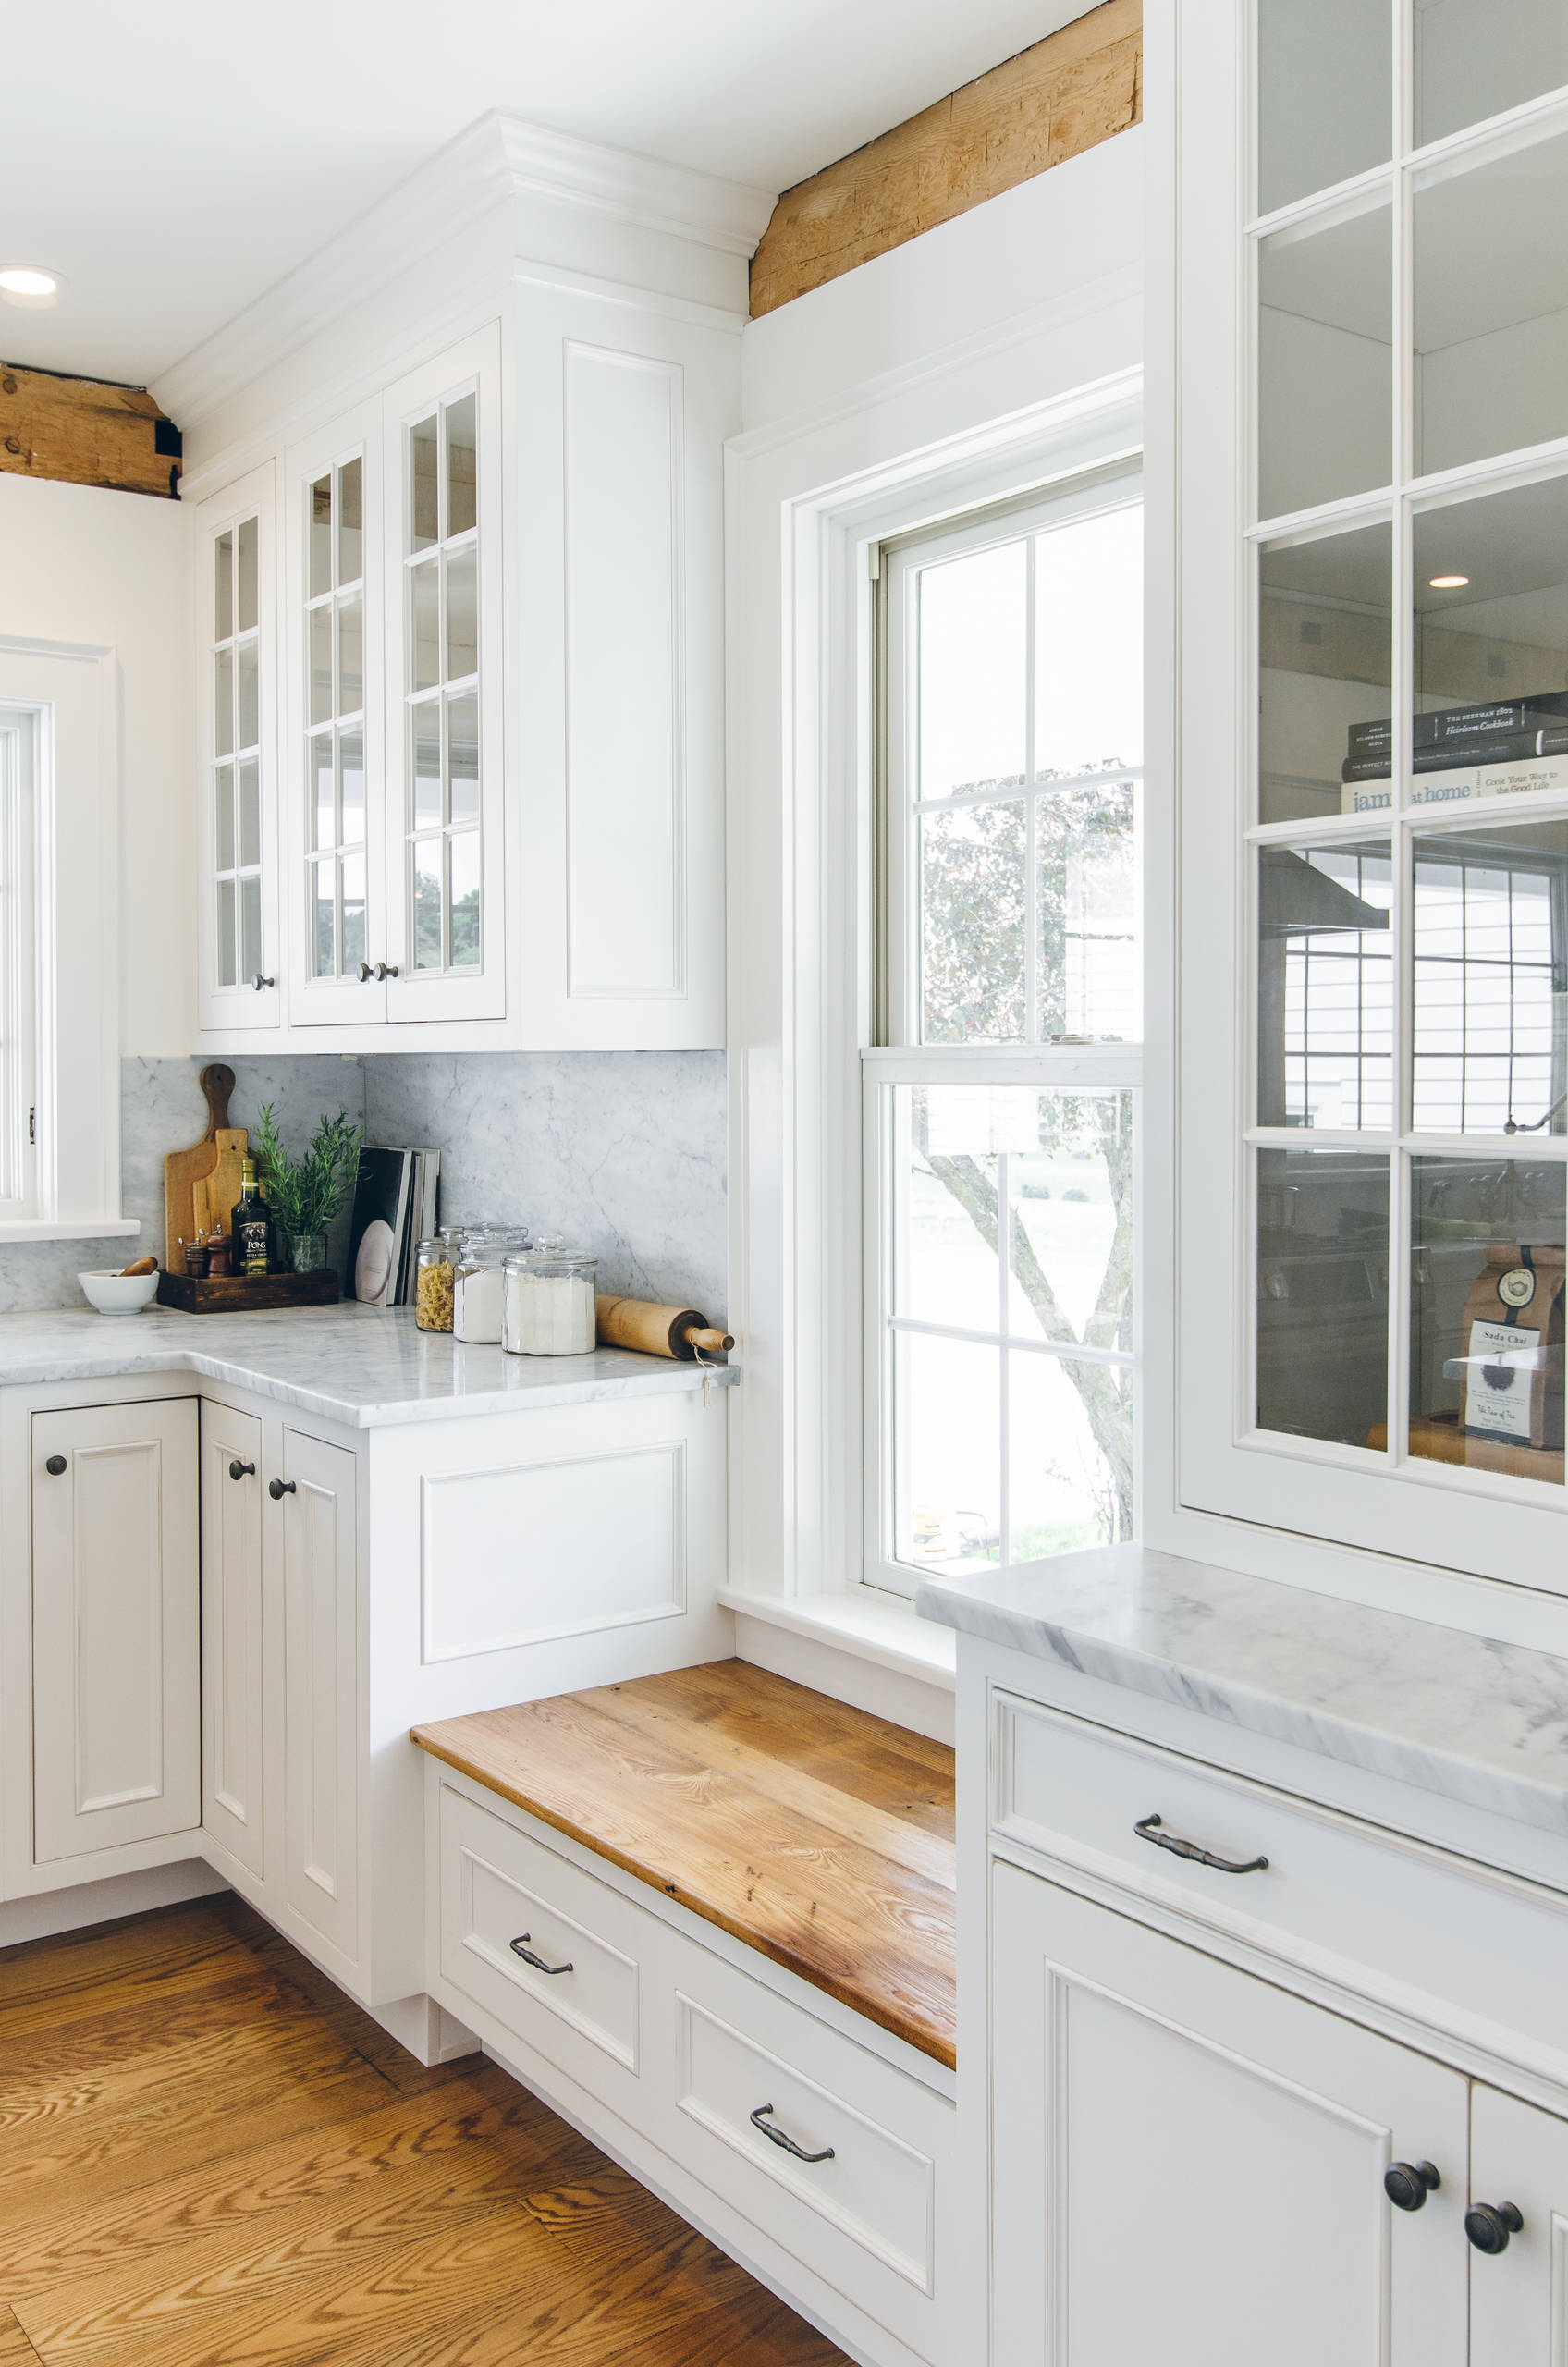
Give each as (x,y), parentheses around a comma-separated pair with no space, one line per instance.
(703,1336)
(143,1265)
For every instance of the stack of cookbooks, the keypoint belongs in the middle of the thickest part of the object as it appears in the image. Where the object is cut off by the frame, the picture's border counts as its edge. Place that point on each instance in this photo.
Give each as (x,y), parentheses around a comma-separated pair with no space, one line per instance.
(1494,750)
(394,1211)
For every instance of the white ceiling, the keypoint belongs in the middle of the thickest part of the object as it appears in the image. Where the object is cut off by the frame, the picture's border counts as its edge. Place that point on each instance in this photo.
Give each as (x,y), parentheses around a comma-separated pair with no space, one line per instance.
(173,168)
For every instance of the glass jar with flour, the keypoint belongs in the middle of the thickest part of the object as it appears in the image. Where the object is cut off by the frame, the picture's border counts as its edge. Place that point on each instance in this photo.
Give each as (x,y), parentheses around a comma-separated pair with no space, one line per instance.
(547,1303)
(476,1287)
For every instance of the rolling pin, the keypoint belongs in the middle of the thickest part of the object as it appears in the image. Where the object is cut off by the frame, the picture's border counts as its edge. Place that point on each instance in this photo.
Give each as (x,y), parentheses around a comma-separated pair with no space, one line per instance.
(657,1331)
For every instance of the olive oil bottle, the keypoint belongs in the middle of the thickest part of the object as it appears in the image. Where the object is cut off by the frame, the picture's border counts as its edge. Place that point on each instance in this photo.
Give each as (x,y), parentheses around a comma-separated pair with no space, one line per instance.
(251,1229)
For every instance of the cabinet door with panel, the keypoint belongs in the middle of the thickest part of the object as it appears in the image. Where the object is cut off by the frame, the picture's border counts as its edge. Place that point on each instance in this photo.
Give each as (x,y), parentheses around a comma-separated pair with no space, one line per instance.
(1188,2165)
(239,923)
(232,1594)
(1518,2226)
(316,1490)
(116,1648)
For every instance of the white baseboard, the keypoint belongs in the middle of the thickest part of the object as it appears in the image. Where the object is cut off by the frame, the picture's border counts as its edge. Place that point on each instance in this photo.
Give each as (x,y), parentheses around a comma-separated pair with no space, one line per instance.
(106,1901)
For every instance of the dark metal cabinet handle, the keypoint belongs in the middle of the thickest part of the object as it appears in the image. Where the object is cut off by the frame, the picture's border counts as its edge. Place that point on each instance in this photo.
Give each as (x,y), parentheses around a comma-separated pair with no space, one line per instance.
(1407,2184)
(1148,1830)
(365,972)
(388,970)
(56,1466)
(278,1489)
(259,982)
(237,1470)
(518,1949)
(764,2127)
(1489,2225)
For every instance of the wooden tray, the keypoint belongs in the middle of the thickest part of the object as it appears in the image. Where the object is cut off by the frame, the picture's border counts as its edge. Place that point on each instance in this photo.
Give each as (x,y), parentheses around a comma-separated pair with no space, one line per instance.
(233,1294)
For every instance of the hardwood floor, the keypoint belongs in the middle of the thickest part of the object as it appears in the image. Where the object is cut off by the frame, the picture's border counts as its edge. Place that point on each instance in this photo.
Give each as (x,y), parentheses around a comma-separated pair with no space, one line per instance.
(210,2158)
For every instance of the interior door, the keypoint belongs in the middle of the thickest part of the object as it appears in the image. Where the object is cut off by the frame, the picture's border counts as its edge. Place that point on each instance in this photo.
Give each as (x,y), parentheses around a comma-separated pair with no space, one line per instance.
(316,1491)
(232,1800)
(1518,2291)
(115,1625)
(1187,2163)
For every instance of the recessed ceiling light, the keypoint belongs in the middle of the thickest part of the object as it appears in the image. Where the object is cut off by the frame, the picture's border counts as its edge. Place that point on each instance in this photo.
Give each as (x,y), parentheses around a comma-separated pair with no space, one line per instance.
(1447,583)
(29,283)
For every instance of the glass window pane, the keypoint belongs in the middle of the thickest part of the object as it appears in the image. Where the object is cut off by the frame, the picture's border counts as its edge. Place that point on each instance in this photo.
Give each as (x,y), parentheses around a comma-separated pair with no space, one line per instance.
(1476,58)
(323,815)
(249,927)
(462,465)
(1086,896)
(351,522)
(1070,1200)
(424,523)
(1325,619)
(463,754)
(974,655)
(1486,1315)
(321,663)
(223,816)
(947,1458)
(1489,1023)
(1491,306)
(462,614)
(1070,1456)
(249,730)
(427,886)
(248,546)
(226,949)
(1325,91)
(463,905)
(1325,360)
(350,655)
(223,587)
(352,778)
(353,872)
(947,1175)
(424,723)
(1491,645)
(324,932)
(249,812)
(1090,644)
(424,605)
(1323,1295)
(223,702)
(321,536)
(973,923)
(1325,986)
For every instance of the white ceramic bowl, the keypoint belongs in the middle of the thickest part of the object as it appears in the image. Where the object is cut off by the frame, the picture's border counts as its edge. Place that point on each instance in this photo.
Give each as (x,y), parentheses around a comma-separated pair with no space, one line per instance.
(120,1293)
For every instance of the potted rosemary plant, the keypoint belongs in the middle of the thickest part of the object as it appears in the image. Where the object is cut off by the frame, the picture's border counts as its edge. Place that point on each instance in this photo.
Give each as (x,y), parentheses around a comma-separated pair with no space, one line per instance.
(305,1195)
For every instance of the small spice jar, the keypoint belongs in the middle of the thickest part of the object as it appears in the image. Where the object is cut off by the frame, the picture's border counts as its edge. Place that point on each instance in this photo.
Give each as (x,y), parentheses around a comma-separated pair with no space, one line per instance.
(547,1303)
(476,1288)
(197,1257)
(434,1279)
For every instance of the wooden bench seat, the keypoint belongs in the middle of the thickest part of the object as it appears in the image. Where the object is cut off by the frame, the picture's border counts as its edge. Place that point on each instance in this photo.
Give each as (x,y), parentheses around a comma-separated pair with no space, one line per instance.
(816,1834)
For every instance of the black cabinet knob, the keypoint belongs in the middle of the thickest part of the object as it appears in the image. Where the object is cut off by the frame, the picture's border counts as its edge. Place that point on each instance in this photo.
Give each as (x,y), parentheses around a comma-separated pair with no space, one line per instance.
(1407,2184)
(1489,2225)
(237,1470)
(278,1489)
(56,1466)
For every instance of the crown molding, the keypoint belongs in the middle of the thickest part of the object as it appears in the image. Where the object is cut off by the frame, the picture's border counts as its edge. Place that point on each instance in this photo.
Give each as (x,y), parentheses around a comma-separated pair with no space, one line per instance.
(498,158)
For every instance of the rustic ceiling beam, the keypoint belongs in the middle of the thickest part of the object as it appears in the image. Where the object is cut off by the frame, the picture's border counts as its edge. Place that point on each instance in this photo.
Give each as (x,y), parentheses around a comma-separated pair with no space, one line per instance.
(86,431)
(1067,93)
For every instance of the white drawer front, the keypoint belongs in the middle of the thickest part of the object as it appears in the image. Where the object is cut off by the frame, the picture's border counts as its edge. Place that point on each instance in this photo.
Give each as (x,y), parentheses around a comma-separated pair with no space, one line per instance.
(1424,1925)
(503,1893)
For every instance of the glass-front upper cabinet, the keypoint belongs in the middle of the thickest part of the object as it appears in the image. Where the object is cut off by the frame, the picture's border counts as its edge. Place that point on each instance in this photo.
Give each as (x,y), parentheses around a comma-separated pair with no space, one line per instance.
(237,927)
(1391,1018)
(443,723)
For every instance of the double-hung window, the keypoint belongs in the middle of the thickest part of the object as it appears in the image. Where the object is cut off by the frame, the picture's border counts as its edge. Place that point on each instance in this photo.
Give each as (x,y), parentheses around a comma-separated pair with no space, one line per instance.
(19,758)
(1000,1096)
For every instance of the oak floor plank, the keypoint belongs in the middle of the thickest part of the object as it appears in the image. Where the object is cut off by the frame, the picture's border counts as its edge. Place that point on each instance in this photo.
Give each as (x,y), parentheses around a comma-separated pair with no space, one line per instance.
(15,2348)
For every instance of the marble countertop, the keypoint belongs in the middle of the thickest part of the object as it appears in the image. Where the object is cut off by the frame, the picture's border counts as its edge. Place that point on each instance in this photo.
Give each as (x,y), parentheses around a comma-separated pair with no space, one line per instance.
(362,1366)
(1454,1713)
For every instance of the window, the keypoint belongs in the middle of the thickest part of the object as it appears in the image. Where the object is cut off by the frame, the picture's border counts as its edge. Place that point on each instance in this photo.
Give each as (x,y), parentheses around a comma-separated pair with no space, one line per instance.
(441,699)
(1000,1102)
(19,761)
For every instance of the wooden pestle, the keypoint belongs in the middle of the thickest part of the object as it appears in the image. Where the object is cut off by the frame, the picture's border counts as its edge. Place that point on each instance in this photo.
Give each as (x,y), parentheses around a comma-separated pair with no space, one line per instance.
(677,1331)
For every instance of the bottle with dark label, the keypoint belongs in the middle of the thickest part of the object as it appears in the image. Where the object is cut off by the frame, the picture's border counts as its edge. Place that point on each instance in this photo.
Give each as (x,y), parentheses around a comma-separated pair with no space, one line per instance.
(251,1229)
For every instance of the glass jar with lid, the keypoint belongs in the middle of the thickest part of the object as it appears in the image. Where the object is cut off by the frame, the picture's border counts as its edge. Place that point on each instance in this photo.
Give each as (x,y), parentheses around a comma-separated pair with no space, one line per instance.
(434,1279)
(548,1304)
(476,1287)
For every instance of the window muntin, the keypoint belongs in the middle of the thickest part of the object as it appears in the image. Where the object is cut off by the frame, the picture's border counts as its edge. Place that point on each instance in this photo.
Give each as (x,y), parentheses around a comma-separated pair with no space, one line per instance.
(335,744)
(234,757)
(441,837)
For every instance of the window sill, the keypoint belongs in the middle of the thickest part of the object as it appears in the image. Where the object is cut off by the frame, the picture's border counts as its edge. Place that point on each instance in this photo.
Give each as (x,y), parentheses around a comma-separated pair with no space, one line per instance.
(69,1228)
(873,1625)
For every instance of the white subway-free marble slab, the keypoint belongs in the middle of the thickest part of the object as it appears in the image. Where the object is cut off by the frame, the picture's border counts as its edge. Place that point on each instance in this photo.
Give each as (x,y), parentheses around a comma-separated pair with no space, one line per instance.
(363,1367)
(1457,1714)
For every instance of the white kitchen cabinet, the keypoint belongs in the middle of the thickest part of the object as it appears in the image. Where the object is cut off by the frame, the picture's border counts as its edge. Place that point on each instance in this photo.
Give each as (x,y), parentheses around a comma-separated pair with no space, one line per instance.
(1518,2295)
(115,1649)
(1188,2163)
(239,937)
(319,1741)
(233,1627)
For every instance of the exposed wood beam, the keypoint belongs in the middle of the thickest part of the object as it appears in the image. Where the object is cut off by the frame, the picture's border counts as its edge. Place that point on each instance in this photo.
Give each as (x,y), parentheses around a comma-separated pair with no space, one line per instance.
(1067,93)
(84,431)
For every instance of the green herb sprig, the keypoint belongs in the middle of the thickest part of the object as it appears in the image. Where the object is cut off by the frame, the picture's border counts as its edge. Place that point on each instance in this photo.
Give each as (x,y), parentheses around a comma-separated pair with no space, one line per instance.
(305,1195)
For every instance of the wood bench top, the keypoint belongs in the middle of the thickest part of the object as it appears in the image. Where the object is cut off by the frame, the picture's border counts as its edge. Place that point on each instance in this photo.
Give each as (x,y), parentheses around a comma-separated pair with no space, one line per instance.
(815,1832)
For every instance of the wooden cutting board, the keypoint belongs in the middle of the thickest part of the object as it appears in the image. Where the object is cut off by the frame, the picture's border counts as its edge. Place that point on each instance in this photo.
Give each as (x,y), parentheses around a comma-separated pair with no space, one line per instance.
(215,1166)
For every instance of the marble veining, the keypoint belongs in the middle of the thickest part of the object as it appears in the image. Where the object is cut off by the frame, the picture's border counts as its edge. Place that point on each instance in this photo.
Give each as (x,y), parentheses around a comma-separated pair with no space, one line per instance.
(364,1367)
(1462,1715)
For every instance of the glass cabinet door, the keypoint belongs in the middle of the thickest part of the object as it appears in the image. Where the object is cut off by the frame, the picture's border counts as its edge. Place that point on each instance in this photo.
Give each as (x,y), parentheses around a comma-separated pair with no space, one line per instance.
(237,930)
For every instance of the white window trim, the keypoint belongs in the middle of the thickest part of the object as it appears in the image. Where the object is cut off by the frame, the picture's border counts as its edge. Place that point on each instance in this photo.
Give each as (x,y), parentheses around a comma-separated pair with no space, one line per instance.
(20,730)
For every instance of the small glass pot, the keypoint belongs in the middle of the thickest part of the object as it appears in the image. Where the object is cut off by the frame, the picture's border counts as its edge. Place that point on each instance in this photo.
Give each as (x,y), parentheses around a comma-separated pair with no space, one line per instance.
(306,1252)
(434,1280)
(548,1304)
(477,1288)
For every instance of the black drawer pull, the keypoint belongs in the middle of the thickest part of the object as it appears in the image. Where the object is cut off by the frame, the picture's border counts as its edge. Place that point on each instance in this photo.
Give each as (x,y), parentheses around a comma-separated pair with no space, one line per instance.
(776,2136)
(278,1489)
(1148,1830)
(1407,2184)
(527,1955)
(56,1466)
(1489,2225)
(237,1470)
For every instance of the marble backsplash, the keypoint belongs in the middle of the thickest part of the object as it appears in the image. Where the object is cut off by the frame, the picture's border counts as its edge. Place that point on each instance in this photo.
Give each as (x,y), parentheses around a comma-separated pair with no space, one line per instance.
(622,1153)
